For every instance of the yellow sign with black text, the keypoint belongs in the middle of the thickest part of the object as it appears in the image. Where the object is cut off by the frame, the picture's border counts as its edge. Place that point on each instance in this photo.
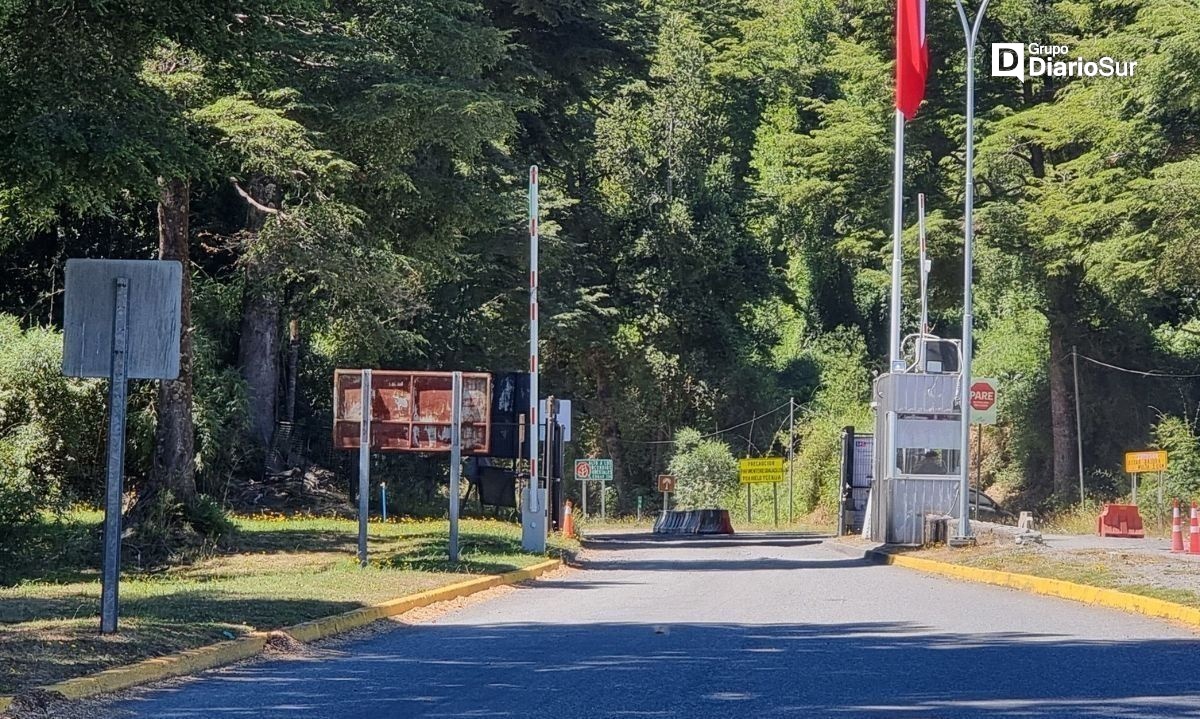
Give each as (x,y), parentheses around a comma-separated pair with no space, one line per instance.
(763,469)
(1151,460)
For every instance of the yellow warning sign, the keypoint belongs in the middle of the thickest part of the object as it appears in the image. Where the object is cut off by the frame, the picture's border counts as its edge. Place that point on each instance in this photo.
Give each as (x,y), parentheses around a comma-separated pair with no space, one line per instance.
(1151,460)
(763,469)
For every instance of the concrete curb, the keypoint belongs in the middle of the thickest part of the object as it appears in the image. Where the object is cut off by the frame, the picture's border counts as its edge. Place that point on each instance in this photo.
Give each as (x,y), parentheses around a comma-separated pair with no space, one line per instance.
(1098,596)
(191,661)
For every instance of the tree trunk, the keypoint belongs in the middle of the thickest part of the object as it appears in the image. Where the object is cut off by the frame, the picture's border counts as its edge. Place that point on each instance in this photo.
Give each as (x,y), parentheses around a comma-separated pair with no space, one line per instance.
(174,466)
(610,431)
(259,346)
(258,353)
(293,370)
(1062,421)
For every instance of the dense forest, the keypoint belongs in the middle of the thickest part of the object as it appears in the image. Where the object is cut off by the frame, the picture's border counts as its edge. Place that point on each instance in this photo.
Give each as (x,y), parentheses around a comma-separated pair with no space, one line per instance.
(345,180)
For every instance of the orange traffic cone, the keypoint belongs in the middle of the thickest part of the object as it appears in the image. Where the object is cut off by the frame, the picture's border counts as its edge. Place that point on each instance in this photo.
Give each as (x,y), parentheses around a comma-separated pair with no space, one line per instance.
(568,528)
(1176,530)
(1194,532)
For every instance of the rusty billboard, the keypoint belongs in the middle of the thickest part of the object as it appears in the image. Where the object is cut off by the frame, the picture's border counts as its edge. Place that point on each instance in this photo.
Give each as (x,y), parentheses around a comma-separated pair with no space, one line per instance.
(410,411)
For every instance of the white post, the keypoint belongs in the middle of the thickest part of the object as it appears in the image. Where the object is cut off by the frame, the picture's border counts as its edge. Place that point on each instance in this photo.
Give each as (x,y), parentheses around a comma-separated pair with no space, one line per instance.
(970,32)
(533,506)
(895,361)
(924,266)
(455,459)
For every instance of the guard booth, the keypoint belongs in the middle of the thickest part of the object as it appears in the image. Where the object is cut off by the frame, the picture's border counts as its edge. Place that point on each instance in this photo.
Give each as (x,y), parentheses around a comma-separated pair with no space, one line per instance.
(917,454)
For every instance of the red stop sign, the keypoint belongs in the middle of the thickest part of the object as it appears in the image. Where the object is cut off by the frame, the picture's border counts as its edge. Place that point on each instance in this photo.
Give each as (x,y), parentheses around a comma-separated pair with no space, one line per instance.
(983,396)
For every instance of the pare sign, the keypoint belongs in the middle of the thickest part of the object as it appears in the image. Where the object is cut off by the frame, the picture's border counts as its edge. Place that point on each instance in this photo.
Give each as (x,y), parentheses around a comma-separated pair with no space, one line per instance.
(983,400)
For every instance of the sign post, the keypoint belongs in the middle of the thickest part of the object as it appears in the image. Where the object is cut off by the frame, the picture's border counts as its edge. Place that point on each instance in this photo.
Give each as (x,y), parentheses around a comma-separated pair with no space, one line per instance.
(983,411)
(121,320)
(364,464)
(118,386)
(455,460)
(598,470)
(666,485)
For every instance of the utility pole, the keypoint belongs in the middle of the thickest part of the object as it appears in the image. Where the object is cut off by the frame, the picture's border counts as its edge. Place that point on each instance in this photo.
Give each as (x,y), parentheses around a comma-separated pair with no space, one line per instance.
(1078,422)
(791,454)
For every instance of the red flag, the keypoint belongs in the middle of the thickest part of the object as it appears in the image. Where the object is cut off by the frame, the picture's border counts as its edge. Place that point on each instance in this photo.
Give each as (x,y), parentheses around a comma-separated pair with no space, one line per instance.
(912,56)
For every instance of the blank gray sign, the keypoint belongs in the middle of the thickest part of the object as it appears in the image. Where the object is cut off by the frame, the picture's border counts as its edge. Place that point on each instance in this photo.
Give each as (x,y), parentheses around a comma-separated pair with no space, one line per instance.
(154,299)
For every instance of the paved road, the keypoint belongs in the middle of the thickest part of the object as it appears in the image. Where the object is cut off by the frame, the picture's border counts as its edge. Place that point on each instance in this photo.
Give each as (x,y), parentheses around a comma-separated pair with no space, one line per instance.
(716,628)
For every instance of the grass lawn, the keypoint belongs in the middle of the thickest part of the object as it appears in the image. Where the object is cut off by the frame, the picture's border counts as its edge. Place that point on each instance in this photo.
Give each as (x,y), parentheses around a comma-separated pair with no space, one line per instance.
(275,572)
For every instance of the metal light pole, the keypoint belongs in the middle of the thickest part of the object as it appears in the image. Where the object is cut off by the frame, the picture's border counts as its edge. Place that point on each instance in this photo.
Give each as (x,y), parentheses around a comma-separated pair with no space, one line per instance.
(533,504)
(970,34)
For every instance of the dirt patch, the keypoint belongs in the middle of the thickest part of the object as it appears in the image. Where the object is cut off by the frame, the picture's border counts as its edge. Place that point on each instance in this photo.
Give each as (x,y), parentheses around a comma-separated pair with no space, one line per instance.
(1136,572)
(282,644)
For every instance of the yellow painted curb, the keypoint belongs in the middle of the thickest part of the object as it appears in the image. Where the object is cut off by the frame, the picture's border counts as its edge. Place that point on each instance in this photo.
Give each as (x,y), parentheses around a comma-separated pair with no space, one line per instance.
(195,660)
(328,626)
(171,665)
(1099,596)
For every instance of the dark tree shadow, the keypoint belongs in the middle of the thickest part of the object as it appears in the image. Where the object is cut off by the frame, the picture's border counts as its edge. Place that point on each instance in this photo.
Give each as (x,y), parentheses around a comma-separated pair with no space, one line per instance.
(684,671)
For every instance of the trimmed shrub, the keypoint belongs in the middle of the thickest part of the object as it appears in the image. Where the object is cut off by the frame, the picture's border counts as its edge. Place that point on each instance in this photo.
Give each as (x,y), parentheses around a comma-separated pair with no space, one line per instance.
(706,473)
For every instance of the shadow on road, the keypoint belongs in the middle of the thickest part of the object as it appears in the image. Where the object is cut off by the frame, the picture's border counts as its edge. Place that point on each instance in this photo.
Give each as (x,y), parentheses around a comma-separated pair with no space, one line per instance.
(718,565)
(684,671)
(601,548)
(715,541)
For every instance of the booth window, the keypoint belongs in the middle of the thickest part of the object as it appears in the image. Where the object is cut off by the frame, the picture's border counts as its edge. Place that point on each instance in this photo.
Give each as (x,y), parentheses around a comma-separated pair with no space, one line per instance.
(927,461)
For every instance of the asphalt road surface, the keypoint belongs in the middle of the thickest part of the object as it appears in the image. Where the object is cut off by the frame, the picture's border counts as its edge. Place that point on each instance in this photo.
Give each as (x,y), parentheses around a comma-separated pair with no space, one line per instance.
(752,626)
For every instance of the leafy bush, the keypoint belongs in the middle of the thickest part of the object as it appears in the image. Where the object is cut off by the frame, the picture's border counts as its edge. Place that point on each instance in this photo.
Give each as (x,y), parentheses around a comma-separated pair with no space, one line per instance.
(706,473)
(52,437)
(1177,435)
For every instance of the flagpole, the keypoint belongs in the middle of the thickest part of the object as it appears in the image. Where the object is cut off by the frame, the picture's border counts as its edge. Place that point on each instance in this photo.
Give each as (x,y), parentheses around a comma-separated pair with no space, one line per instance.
(970,33)
(894,360)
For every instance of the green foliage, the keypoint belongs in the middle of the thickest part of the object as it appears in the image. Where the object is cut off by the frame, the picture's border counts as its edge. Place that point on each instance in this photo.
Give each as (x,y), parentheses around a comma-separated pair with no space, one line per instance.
(840,401)
(716,215)
(706,473)
(1178,435)
(51,428)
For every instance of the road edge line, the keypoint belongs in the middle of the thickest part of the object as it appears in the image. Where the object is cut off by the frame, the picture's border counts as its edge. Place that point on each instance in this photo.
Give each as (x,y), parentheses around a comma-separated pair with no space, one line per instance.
(198,659)
(1083,593)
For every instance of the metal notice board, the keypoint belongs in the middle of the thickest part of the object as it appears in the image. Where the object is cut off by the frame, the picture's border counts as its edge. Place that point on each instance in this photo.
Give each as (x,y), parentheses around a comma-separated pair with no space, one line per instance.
(121,321)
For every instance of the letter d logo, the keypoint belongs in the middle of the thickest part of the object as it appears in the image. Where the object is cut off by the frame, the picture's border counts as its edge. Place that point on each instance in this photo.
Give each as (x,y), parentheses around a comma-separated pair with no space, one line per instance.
(1008,60)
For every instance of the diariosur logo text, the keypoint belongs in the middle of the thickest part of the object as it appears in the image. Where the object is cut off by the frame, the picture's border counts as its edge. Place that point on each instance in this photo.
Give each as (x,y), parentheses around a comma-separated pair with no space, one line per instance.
(1012,59)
